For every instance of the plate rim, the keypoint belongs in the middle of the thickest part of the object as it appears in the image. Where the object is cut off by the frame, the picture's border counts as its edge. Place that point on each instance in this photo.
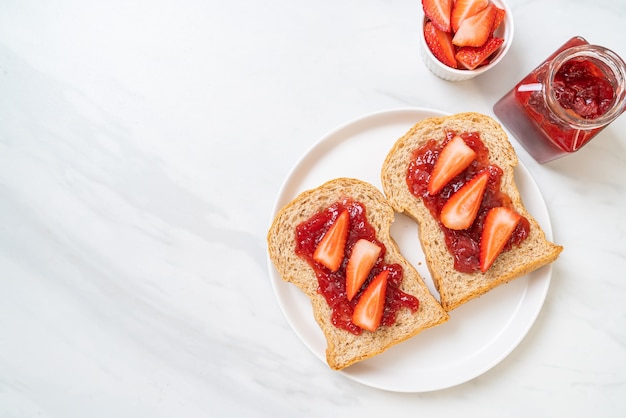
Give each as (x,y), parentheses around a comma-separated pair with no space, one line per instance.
(276,281)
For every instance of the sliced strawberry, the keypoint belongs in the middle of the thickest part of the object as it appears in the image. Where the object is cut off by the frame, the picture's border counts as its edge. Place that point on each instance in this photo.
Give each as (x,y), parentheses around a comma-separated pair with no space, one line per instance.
(440,44)
(455,156)
(500,223)
(363,257)
(330,250)
(460,210)
(500,13)
(472,57)
(475,29)
(463,9)
(368,312)
(438,11)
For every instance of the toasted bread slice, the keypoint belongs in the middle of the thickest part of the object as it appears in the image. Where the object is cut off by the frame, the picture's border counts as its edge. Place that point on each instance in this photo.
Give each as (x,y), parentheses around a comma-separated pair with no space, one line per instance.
(456,288)
(343,347)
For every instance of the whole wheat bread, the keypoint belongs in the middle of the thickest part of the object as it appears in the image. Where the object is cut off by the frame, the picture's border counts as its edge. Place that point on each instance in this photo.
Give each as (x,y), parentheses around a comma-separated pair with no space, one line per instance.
(456,288)
(343,347)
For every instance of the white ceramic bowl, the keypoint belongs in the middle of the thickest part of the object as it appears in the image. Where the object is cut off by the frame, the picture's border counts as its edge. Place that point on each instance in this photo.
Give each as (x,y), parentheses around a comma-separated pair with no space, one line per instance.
(452,74)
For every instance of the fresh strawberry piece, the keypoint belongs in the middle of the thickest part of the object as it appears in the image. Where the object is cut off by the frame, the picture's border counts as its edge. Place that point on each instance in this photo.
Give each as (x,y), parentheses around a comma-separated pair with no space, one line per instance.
(363,257)
(461,209)
(472,57)
(500,13)
(368,312)
(500,223)
(330,250)
(463,9)
(475,30)
(440,44)
(438,11)
(455,156)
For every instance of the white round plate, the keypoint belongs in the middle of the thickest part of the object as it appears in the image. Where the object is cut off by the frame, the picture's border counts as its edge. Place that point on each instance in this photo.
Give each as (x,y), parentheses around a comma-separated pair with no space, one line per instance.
(478,335)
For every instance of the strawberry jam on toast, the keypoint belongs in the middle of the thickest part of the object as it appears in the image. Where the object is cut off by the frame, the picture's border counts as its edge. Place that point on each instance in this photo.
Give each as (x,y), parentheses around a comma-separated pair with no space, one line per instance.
(391,304)
(467,252)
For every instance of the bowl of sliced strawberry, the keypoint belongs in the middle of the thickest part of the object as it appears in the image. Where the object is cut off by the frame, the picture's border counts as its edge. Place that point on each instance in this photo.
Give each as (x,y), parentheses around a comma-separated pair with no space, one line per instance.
(461,39)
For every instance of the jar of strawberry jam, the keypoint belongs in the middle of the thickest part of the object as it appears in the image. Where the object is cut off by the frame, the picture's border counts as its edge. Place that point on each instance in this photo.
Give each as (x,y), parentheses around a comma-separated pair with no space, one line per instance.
(563,103)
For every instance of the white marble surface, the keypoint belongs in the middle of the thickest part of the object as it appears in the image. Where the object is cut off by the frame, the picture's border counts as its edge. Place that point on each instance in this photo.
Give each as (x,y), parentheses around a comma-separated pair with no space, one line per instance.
(142,145)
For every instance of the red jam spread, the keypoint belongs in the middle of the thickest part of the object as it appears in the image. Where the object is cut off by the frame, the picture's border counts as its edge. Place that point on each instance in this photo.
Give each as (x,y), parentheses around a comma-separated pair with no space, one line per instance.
(333,285)
(464,245)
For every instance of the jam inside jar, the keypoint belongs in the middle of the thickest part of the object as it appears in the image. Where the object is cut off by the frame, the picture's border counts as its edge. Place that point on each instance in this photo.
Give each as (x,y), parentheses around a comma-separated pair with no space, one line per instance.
(566,101)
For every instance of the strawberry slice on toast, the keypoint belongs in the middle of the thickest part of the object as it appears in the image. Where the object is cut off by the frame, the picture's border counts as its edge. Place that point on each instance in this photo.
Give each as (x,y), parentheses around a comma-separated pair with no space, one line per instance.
(368,312)
(461,209)
(500,223)
(363,257)
(330,250)
(455,157)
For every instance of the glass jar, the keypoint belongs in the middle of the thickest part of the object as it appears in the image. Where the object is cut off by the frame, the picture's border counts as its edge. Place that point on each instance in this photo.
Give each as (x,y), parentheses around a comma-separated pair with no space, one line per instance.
(564,102)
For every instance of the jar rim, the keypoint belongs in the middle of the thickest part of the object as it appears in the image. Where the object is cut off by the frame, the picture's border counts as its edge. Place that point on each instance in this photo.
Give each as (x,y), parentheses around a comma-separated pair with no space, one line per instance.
(609,60)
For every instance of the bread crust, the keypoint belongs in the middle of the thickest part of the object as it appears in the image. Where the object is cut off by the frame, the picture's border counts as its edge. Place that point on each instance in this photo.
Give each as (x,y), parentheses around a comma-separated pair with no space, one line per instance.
(456,288)
(344,348)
